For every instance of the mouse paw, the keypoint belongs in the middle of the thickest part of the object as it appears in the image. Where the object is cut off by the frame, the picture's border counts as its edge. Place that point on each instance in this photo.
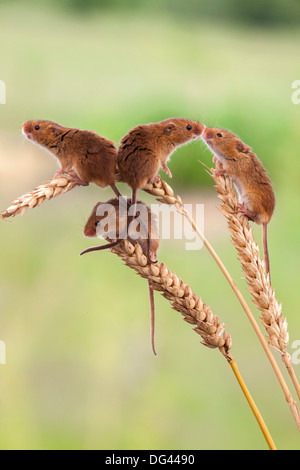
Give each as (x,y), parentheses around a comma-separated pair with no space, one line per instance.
(155,179)
(167,170)
(218,172)
(58,174)
(75,178)
(152,257)
(63,171)
(241,209)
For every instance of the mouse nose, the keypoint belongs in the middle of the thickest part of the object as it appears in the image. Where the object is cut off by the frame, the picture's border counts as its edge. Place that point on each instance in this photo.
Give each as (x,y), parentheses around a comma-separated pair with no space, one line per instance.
(27,127)
(88,232)
(208,133)
(199,129)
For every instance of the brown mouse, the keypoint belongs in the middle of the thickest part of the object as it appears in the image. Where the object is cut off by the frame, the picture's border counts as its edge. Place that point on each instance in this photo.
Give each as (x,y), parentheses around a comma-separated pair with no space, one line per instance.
(110,220)
(146,148)
(93,158)
(254,188)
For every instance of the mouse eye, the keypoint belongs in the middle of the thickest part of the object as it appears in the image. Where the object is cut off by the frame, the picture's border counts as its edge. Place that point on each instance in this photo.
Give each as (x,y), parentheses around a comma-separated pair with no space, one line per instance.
(189,127)
(97,223)
(219,134)
(37,127)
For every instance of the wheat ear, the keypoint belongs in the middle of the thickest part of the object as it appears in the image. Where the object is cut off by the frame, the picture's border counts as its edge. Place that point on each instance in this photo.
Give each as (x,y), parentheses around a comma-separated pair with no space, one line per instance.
(193,310)
(180,295)
(165,194)
(253,266)
(51,188)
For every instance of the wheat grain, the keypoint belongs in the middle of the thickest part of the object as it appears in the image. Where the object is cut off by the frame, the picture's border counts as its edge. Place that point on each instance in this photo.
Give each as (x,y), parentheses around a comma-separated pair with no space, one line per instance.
(277,332)
(253,266)
(180,296)
(194,311)
(259,284)
(248,251)
(51,188)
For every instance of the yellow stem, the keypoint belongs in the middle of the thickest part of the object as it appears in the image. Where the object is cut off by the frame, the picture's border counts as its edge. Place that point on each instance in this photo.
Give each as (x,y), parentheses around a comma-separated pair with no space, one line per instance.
(252,405)
(292,404)
(288,364)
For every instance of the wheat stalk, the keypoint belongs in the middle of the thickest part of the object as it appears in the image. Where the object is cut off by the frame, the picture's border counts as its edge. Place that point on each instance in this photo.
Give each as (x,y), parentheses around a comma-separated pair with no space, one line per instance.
(57,186)
(51,188)
(259,285)
(165,194)
(193,310)
(180,295)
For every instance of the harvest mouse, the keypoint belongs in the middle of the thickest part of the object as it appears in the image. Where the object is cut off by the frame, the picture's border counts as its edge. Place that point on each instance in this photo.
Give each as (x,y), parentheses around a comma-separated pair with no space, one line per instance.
(146,148)
(254,188)
(92,157)
(110,220)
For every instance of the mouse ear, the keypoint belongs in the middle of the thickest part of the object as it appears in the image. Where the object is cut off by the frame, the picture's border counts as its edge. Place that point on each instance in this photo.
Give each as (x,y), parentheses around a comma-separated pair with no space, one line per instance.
(239,146)
(247,149)
(56,131)
(168,128)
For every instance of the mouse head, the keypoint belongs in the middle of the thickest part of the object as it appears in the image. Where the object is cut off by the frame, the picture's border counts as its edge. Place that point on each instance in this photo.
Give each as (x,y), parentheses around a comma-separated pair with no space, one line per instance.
(111,220)
(90,228)
(223,142)
(179,131)
(42,132)
(102,221)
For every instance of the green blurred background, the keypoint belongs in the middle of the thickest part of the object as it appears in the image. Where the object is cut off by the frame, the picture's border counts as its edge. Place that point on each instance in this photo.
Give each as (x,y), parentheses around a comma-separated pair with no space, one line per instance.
(80,373)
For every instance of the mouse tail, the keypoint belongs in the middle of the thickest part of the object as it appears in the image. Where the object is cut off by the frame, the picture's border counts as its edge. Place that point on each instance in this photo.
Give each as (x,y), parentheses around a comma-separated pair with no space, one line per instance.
(101,247)
(265,247)
(119,195)
(115,190)
(134,202)
(152,321)
(148,251)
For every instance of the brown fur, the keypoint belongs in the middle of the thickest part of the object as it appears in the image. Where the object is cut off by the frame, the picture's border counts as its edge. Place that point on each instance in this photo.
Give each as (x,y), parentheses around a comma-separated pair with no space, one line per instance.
(148,226)
(92,157)
(146,148)
(148,240)
(249,176)
(237,160)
